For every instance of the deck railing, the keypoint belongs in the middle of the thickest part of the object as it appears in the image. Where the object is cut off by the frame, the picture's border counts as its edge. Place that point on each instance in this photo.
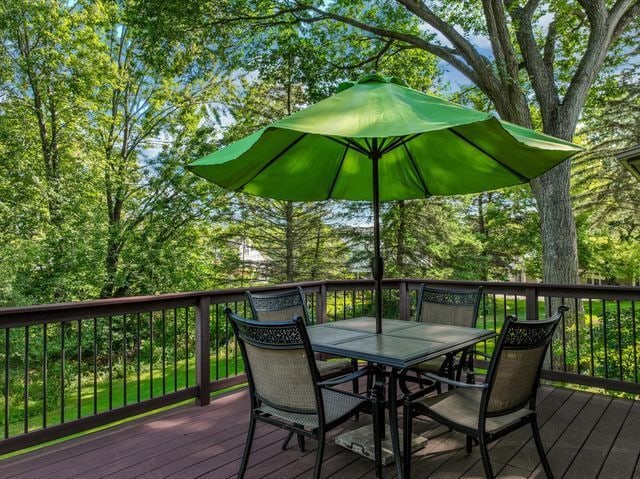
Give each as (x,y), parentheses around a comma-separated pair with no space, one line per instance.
(65,368)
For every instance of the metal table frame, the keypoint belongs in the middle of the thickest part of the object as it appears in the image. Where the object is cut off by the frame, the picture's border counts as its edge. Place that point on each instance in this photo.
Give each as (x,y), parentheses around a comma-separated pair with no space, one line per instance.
(401,344)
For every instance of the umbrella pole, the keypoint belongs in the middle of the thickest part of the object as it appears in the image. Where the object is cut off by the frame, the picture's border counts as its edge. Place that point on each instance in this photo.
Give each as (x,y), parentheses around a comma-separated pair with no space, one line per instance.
(377,265)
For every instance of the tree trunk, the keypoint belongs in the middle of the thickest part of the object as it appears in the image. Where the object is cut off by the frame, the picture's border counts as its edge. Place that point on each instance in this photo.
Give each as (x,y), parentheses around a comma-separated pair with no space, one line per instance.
(557,222)
(289,240)
(557,225)
(482,229)
(316,253)
(400,231)
(551,190)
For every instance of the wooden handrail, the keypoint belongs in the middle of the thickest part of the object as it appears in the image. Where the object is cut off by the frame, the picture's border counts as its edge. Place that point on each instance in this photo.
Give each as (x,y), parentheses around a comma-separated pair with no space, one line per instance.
(203,302)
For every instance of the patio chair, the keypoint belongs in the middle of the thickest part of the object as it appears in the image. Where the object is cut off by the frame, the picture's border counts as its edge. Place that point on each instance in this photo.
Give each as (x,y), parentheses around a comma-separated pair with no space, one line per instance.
(452,308)
(505,402)
(284,305)
(286,389)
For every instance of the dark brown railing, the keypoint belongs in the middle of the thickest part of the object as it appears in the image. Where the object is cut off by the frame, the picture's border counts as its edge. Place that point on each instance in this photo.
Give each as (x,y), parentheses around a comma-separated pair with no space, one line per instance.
(66,368)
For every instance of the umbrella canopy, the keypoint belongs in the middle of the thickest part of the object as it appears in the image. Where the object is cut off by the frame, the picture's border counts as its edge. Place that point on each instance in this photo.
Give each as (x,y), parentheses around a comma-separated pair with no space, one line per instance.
(377,139)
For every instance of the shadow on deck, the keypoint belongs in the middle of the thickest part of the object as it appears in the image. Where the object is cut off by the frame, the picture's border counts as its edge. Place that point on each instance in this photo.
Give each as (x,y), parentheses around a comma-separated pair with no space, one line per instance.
(586,435)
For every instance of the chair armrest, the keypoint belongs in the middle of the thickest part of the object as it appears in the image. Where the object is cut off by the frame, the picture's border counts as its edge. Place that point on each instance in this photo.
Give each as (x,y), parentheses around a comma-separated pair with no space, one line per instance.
(451,382)
(346,378)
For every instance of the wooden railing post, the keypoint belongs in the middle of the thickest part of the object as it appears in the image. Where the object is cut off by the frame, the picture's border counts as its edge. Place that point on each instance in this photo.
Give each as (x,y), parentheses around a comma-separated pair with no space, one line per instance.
(203,338)
(321,305)
(403,298)
(531,296)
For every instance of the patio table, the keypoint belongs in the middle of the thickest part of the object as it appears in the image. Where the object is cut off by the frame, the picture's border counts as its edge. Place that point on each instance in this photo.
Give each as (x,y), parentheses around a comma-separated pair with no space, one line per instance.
(401,344)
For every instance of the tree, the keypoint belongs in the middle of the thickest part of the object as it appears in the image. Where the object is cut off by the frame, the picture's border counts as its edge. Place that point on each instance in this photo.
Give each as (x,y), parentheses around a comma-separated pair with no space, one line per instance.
(430,238)
(146,103)
(95,129)
(606,195)
(544,57)
(52,64)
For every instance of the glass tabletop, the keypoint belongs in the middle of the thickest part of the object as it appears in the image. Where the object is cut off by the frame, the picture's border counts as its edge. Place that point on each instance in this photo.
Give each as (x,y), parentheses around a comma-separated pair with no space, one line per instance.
(401,343)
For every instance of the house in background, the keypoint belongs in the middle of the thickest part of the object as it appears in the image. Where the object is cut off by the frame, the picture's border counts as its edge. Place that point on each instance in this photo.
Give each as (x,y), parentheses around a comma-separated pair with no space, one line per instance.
(630,158)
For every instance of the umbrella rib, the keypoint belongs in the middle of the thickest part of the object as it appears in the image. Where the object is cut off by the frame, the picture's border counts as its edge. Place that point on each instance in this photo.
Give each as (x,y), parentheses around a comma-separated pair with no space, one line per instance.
(348,144)
(507,167)
(335,178)
(271,161)
(399,141)
(416,170)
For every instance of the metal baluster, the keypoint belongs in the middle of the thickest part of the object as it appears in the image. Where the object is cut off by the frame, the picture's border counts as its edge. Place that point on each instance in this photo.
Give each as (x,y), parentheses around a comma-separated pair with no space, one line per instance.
(175,349)
(164,352)
(7,360)
(79,399)
(45,366)
(95,365)
(564,339)
(217,342)
(635,350)
(26,379)
(353,303)
(484,317)
(124,359)
(550,350)
(226,344)
(593,367)
(138,356)
(235,339)
(62,358)
(621,371)
(344,304)
(577,310)
(151,354)
(110,363)
(606,345)
(186,347)
(504,305)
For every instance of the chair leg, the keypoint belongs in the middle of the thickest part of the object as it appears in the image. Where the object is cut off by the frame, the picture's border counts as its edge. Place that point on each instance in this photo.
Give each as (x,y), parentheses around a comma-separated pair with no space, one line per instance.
(285,443)
(486,462)
(540,447)
(355,383)
(377,438)
(247,447)
(469,445)
(319,453)
(301,442)
(407,428)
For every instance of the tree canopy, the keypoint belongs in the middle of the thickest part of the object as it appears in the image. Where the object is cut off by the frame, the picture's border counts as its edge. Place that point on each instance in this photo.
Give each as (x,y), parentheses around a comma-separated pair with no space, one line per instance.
(104,103)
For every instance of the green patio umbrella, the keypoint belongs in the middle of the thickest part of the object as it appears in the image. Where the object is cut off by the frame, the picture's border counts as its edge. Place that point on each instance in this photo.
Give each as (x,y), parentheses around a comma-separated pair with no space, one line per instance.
(378,140)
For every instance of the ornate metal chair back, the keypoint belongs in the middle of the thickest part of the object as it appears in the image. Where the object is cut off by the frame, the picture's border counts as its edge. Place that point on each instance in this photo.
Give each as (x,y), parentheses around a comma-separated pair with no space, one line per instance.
(514,371)
(279,361)
(278,306)
(450,307)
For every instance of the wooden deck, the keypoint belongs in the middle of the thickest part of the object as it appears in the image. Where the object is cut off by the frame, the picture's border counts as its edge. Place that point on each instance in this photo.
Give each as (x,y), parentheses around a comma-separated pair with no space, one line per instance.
(586,435)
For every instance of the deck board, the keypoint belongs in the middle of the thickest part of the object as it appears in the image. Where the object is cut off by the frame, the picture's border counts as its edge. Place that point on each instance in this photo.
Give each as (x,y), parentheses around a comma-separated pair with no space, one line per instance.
(586,436)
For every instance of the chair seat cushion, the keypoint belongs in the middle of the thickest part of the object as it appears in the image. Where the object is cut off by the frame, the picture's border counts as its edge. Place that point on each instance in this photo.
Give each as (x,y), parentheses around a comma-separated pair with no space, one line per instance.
(462,406)
(337,405)
(336,367)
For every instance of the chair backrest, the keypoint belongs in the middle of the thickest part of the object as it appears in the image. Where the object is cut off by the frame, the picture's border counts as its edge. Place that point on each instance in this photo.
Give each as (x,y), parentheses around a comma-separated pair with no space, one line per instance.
(280,363)
(278,306)
(514,371)
(448,306)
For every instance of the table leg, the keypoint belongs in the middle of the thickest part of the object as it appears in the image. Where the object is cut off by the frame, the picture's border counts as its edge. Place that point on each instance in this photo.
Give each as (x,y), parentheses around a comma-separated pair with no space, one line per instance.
(378,390)
(393,421)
